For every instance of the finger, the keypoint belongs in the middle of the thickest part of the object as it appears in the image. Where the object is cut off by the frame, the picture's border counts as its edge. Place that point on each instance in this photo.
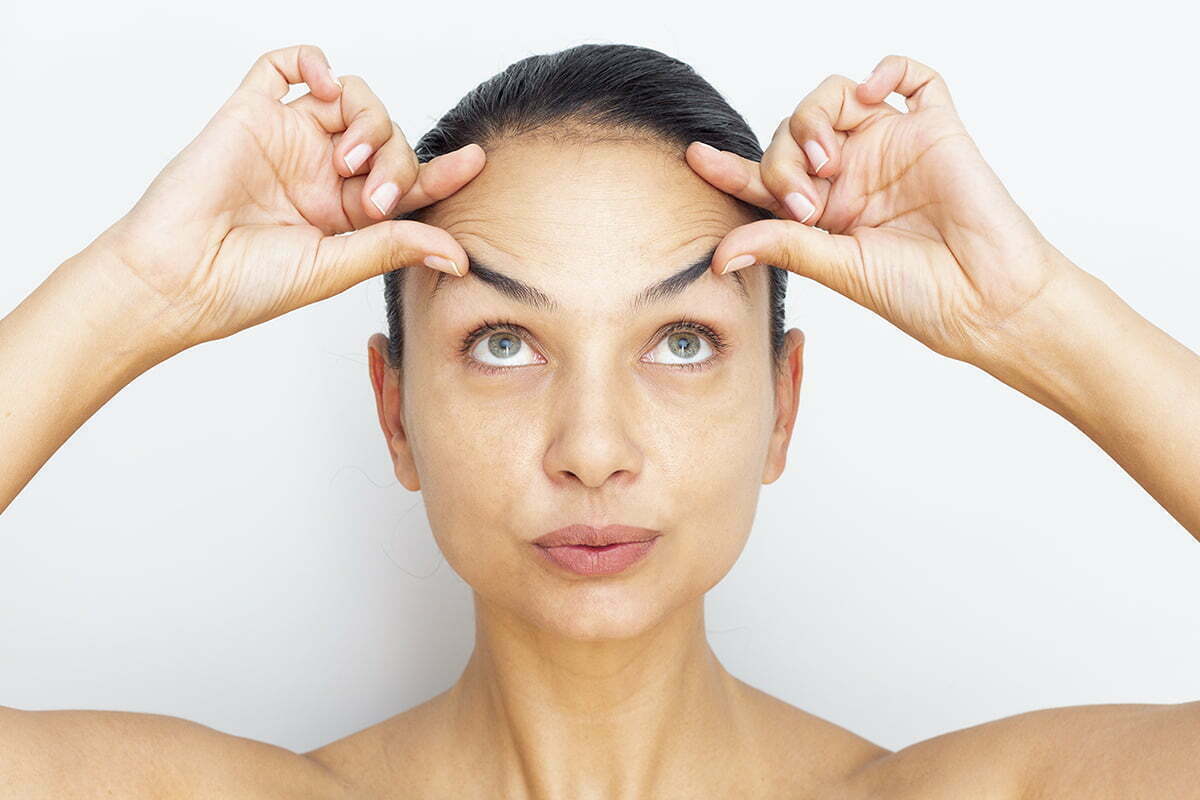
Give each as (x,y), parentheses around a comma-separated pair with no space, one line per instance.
(391,172)
(820,123)
(437,179)
(830,259)
(920,85)
(348,259)
(367,127)
(326,113)
(442,176)
(331,115)
(274,72)
(734,175)
(784,171)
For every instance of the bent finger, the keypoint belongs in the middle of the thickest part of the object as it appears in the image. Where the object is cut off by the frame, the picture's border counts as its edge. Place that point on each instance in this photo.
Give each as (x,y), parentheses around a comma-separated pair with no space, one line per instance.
(919,84)
(392,173)
(825,118)
(436,180)
(367,127)
(274,72)
(785,169)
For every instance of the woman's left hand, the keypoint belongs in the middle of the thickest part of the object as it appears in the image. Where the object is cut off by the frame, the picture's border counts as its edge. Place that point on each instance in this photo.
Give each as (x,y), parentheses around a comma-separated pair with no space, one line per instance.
(920,230)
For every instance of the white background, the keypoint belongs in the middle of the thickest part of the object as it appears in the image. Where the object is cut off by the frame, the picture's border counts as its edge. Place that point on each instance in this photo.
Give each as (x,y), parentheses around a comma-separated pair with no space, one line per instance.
(224,541)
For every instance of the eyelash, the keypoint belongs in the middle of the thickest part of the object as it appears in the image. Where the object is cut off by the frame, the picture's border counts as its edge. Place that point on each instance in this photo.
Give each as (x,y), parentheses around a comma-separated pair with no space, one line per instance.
(492,326)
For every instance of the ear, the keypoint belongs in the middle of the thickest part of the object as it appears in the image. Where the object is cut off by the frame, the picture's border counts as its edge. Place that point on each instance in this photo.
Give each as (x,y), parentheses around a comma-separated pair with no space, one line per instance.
(389,401)
(787,401)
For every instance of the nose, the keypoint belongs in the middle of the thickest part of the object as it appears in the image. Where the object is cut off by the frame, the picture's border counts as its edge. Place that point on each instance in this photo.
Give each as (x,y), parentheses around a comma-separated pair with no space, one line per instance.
(592,432)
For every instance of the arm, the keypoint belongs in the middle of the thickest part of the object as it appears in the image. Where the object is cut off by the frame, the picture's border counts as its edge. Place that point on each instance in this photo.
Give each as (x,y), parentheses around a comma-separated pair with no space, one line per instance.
(71,345)
(911,223)
(1134,390)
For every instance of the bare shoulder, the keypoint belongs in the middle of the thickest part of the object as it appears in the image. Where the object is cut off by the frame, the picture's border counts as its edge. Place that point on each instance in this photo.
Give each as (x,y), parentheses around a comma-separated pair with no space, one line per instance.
(1090,751)
(66,754)
(413,752)
(801,754)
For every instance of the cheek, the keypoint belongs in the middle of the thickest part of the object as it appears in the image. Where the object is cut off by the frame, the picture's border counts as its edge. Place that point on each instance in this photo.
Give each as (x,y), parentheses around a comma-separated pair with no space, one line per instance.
(712,473)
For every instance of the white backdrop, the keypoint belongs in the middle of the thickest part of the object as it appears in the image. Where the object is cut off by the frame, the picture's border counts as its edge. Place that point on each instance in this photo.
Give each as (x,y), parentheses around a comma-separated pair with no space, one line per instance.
(224,541)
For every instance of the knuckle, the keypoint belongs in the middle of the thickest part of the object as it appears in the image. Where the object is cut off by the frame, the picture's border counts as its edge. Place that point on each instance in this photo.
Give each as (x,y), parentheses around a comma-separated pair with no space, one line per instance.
(808,127)
(831,81)
(776,177)
(806,117)
(401,165)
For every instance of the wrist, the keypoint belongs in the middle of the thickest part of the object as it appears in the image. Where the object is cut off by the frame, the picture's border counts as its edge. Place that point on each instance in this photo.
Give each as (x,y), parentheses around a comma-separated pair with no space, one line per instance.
(1056,353)
(131,324)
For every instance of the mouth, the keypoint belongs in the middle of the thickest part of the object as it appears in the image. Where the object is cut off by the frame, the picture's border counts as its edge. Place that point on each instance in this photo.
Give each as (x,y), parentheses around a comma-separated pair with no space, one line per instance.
(607,559)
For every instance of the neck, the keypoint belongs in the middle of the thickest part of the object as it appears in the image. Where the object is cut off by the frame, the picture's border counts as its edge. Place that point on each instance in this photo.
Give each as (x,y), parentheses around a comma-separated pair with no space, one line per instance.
(548,716)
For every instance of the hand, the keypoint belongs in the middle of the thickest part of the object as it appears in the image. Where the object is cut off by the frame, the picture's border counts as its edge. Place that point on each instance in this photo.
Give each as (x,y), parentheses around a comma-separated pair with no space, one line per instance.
(238,227)
(920,230)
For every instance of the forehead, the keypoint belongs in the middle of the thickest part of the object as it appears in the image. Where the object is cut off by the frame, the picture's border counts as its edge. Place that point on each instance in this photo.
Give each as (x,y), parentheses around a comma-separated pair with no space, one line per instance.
(585,220)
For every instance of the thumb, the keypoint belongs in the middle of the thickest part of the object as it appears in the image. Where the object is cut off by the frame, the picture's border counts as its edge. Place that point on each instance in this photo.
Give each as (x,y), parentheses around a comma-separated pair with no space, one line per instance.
(828,258)
(346,259)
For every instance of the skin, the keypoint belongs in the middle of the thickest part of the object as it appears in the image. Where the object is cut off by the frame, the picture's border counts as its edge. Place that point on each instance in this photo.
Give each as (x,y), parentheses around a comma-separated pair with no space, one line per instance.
(603,685)
(260,215)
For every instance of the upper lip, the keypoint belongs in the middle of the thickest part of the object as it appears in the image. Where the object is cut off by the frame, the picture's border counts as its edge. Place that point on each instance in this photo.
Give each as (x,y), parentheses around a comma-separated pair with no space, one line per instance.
(595,537)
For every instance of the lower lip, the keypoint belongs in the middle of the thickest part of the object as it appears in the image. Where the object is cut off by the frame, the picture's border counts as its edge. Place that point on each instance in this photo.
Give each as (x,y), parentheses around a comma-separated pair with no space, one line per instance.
(607,560)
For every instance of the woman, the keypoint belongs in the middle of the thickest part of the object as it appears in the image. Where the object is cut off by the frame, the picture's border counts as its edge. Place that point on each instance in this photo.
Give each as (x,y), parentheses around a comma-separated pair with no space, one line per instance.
(587,334)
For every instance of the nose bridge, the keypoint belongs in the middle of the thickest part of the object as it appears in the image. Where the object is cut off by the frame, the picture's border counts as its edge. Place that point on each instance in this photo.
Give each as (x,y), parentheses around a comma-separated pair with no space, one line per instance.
(594,410)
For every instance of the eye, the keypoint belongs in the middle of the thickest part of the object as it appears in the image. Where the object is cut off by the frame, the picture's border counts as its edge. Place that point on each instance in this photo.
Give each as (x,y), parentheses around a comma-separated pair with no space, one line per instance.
(687,341)
(499,341)
(496,346)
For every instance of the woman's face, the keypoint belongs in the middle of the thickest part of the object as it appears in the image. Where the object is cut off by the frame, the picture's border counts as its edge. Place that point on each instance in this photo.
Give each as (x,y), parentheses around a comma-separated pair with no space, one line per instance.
(588,408)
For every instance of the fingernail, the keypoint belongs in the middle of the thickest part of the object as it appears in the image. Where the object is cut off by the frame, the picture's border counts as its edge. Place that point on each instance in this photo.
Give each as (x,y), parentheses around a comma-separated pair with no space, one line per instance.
(799,206)
(738,262)
(816,154)
(333,77)
(357,156)
(384,196)
(708,147)
(444,264)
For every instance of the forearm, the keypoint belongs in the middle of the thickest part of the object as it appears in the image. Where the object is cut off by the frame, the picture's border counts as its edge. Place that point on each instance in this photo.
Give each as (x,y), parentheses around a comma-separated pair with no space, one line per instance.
(65,351)
(1124,382)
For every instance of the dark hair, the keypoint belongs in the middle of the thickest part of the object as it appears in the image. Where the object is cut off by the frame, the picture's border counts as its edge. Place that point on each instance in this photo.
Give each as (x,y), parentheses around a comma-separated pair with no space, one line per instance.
(589,92)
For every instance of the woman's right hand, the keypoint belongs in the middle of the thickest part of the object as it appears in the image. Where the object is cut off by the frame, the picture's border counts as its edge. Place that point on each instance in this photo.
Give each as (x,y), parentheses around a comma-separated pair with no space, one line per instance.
(240,226)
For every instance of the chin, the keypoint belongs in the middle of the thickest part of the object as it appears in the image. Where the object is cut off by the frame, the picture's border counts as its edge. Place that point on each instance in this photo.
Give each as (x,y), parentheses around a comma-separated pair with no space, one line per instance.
(591,611)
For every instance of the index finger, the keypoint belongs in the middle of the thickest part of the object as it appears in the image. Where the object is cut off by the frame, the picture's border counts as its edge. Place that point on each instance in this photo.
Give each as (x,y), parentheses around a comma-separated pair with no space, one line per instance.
(733,174)
(274,72)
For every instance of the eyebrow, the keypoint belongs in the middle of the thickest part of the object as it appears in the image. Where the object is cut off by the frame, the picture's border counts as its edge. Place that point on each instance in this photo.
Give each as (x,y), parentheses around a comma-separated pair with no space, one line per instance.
(665,289)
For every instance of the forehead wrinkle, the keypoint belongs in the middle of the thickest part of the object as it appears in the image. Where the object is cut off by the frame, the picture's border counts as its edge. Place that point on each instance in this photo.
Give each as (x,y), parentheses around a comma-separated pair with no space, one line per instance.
(518,290)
